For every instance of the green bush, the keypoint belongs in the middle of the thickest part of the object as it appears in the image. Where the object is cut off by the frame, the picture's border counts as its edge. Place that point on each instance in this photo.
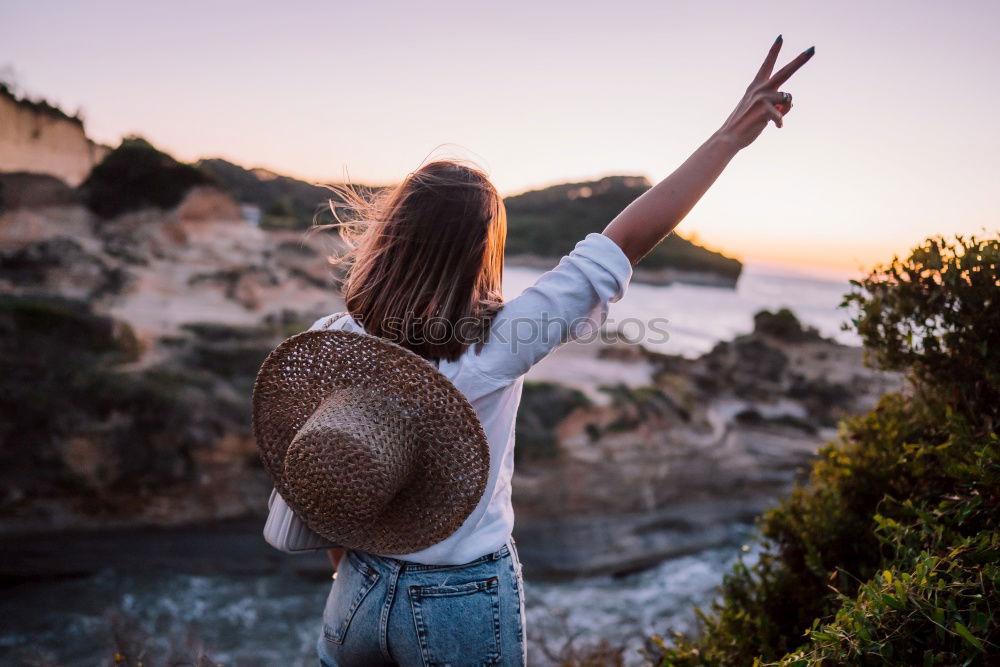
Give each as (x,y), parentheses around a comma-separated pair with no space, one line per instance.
(889,554)
(135,176)
(937,316)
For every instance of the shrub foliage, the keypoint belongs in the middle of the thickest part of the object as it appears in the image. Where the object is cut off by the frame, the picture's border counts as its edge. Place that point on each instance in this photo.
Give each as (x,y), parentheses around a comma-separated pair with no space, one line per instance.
(890,552)
(135,176)
(60,382)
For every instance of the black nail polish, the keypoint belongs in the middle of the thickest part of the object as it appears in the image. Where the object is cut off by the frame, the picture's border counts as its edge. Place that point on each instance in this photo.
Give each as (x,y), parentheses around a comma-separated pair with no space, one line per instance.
(778,39)
(811,50)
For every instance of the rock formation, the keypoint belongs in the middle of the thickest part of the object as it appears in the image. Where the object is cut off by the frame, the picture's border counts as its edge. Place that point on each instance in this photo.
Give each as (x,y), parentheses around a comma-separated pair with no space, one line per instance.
(38,138)
(130,345)
(668,453)
(129,350)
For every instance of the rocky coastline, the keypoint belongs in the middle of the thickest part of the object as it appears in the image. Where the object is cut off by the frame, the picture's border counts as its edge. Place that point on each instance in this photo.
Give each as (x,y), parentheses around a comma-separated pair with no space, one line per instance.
(657,455)
(130,346)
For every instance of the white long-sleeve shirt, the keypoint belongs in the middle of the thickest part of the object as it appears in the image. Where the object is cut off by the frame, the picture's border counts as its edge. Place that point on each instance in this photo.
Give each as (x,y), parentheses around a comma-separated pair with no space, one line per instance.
(566,303)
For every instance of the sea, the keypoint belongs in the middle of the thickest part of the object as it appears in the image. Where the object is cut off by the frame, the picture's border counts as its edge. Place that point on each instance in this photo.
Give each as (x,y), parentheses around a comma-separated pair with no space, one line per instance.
(261,616)
(691,319)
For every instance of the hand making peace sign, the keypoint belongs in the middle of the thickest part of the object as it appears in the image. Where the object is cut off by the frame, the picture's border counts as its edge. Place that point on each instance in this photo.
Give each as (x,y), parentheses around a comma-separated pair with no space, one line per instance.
(763,102)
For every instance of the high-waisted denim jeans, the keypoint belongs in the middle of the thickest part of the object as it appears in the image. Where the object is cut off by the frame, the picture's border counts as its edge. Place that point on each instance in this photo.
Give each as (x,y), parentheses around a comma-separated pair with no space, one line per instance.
(383,611)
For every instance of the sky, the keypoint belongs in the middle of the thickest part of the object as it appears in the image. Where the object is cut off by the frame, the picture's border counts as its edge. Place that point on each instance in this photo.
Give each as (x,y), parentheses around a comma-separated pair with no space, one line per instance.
(893,136)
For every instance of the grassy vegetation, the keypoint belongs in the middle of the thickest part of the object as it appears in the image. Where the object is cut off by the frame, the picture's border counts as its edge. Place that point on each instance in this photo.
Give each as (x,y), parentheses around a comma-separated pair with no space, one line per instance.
(891,553)
(60,383)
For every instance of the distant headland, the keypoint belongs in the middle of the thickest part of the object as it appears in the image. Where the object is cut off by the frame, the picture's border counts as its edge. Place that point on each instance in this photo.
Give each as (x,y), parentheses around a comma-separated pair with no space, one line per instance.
(543,225)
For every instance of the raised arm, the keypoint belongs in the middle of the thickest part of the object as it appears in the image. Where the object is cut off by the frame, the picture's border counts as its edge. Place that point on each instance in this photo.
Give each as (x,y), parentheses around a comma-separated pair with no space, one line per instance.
(652,216)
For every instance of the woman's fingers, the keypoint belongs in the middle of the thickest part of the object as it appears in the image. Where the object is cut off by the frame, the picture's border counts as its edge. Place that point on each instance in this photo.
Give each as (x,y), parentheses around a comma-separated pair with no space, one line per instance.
(773,103)
(784,108)
(768,66)
(774,114)
(773,96)
(783,104)
(788,70)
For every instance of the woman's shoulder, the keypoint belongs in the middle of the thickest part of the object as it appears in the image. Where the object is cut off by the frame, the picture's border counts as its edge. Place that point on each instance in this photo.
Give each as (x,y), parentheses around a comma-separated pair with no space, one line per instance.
(334,321)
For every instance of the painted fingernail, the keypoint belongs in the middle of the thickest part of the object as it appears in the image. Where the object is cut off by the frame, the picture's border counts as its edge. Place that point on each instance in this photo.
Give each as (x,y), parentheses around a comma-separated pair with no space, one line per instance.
(778,39)
(811,50)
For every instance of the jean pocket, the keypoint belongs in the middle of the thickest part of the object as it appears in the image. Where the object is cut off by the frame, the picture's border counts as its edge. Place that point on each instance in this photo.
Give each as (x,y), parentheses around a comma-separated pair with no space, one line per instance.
(458,624)
(355,579)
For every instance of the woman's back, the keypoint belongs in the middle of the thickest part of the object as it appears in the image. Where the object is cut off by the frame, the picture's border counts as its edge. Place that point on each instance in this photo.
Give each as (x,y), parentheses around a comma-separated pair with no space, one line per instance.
(569,302)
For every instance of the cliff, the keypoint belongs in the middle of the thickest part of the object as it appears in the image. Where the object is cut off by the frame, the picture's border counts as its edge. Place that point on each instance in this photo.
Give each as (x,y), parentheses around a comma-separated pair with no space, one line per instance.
(38,138)
(130,345)
(129,348)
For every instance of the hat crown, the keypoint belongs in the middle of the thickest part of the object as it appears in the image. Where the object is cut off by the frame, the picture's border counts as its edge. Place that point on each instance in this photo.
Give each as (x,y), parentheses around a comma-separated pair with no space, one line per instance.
(351,458)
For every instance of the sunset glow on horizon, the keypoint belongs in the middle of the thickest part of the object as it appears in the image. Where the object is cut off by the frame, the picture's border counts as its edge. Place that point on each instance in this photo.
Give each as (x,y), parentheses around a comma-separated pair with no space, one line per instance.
(892,137)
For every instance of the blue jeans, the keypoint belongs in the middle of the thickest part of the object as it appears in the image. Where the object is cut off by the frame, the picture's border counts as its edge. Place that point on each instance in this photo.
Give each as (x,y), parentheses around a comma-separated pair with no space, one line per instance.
(383,611)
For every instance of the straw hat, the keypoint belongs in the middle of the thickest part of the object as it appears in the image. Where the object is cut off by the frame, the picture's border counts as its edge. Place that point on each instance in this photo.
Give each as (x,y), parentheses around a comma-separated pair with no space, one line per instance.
(367,442)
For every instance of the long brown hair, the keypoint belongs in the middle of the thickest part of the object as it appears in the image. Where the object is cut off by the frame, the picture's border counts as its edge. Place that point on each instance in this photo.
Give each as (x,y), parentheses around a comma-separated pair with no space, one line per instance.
(426,264)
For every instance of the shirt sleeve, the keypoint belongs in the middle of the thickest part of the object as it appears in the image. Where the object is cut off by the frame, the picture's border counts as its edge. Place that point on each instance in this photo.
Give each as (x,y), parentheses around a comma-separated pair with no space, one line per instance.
(569,302)
(287,532)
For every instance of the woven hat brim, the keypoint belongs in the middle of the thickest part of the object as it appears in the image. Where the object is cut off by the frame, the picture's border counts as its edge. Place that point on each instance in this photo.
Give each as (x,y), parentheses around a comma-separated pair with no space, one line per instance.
(453,456)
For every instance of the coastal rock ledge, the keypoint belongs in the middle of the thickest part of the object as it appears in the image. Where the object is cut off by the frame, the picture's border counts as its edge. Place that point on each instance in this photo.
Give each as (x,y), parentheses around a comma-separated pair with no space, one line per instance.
(130,345)
(638,456)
